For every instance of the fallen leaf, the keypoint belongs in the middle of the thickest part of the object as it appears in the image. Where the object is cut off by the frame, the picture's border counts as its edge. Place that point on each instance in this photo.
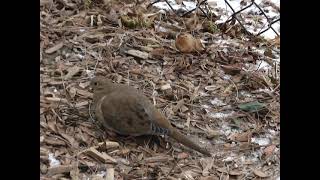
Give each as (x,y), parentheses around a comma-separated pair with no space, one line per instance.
(251,106)
(259,173)
(54,48)
(138,54)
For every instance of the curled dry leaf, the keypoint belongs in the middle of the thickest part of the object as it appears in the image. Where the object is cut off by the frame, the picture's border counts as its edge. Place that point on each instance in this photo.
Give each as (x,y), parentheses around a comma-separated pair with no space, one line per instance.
(186,43)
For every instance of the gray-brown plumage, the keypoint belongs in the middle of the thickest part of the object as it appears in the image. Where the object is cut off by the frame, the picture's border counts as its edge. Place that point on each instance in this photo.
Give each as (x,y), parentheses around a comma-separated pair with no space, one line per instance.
(126,111)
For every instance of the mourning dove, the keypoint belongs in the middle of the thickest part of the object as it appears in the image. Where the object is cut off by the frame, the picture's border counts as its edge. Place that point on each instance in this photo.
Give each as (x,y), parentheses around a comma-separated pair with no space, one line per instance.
(126,111)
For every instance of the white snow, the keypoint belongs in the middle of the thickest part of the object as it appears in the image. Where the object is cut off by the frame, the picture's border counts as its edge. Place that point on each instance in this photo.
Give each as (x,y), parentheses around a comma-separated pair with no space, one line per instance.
(53,161)
(227,12)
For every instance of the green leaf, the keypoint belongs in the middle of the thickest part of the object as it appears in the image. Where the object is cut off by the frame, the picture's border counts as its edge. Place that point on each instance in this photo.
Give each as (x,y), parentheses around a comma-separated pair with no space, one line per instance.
(251,106)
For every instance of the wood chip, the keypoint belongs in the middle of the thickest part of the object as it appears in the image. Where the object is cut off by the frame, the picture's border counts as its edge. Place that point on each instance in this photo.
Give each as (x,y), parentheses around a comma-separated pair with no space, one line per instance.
(84,93)
(183,155)
(138,54)
(111,144)
(158,159)
(54,48)
(80,104)
(241,137)
(269,150)
(259,173)
(165,87)
(103,157)
(59,169)
(54,142)
(84,85)
(110,174)
(71,72)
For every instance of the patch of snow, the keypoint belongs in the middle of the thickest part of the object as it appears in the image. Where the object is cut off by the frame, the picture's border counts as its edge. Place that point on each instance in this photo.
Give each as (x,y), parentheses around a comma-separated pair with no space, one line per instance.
(80,56)
(90,73)
(226,77)
(228,159)
(101,174)
(261,141)
(260,65)
(235,4)
(188,5)
(245,94)
(53,161)
(227,130)
(217,102)
(221,115)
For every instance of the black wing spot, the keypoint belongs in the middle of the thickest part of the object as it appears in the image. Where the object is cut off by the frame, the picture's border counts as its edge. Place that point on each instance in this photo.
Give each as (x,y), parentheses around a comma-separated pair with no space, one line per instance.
(159,130)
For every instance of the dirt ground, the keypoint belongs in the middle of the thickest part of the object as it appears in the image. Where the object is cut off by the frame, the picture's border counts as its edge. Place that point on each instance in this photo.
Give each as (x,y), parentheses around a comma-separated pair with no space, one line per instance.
(224,95)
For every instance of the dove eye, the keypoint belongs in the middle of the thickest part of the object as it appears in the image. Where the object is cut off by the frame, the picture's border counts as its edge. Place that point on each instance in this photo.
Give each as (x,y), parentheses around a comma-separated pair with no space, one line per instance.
(95,83)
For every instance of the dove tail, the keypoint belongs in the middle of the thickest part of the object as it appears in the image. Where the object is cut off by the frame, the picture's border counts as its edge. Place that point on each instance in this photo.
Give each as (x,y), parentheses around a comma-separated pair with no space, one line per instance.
(187,142)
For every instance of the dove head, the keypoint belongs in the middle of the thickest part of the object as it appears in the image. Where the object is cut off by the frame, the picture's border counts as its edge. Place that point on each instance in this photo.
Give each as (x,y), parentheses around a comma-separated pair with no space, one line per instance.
(100,83)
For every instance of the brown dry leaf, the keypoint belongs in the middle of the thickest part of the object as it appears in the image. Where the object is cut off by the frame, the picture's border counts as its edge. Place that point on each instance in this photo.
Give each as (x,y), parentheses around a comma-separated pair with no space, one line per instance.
(70,139)
(52,125)
(54,48)
(259,173)
(241,137)
(269,150)
(232,69)
(71,72)
(178,106)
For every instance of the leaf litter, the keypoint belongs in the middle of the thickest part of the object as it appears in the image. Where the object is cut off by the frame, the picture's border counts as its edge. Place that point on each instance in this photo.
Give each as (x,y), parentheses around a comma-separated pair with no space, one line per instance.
(223,91)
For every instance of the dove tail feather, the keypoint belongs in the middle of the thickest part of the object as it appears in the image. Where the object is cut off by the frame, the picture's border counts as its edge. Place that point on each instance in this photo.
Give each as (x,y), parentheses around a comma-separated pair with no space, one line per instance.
(187,142)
